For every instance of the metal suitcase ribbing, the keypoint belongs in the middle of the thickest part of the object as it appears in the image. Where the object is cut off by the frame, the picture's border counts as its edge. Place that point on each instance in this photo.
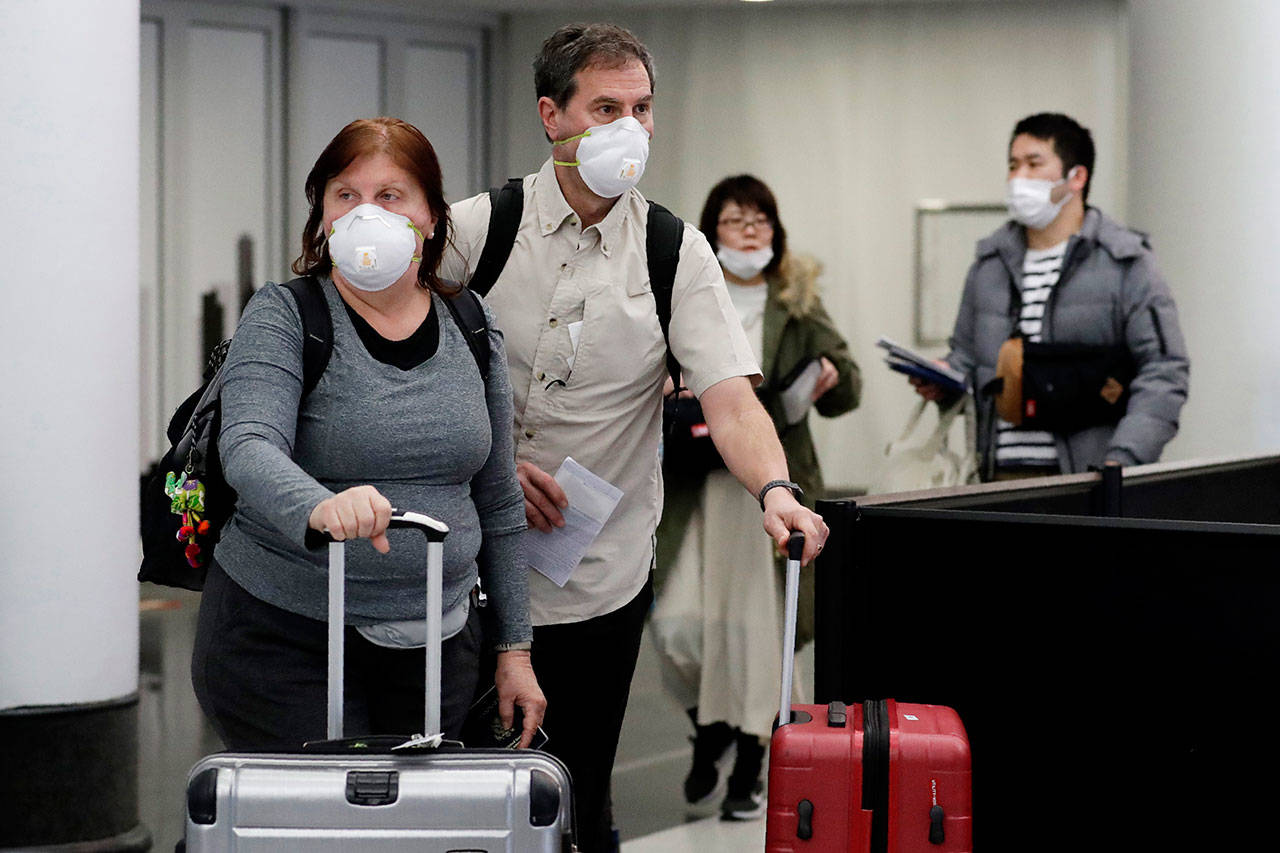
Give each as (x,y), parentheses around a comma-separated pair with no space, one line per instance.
(445,802)
(879,777)
(366,795)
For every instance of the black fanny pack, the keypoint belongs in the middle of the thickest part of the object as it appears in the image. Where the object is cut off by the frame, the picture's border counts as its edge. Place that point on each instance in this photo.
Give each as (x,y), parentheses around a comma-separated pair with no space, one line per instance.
(686,440)
(1061,387)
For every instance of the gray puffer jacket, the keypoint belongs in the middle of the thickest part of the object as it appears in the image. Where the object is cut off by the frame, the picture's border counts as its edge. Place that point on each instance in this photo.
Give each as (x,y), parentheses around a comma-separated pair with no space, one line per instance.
(1109,293)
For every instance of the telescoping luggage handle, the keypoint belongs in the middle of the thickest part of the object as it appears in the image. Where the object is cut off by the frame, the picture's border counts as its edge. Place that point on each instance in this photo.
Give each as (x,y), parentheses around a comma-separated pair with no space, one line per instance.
(795,550)
(435,532)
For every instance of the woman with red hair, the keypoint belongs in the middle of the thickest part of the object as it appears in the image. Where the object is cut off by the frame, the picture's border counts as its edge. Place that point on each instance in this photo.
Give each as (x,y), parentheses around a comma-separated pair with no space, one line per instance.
(401,416)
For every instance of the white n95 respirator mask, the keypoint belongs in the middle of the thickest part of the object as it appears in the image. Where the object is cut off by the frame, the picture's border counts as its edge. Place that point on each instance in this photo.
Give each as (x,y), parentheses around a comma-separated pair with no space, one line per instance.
(373,247)
(1030,202)
(611,157)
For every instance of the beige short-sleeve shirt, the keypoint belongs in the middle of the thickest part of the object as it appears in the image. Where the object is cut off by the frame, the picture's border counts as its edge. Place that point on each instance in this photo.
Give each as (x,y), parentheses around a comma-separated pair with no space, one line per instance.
(599,400)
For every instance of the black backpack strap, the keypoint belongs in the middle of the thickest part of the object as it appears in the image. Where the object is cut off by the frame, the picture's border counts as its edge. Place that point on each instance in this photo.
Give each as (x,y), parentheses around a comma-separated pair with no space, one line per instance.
(468,314)
(506,204)
(317,329)
(662,248)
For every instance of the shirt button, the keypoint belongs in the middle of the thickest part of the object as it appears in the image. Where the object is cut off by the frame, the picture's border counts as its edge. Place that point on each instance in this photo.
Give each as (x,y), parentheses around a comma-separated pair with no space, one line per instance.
(552,322)
(541,375)
(528,433)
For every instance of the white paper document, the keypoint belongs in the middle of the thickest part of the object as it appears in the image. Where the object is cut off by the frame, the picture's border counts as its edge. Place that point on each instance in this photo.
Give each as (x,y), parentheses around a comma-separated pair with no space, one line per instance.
(798,396)
(591,502)
(575,335)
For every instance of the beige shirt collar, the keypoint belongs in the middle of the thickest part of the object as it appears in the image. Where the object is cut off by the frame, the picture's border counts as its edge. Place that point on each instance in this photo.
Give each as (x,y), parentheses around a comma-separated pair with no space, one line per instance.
(554,210)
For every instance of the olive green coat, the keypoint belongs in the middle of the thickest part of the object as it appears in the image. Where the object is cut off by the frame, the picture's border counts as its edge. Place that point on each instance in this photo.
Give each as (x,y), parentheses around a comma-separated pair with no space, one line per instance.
(796,328)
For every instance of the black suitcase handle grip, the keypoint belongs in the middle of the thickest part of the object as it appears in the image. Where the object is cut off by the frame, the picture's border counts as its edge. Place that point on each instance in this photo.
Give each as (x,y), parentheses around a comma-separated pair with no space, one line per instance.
(434,529)
(795,545)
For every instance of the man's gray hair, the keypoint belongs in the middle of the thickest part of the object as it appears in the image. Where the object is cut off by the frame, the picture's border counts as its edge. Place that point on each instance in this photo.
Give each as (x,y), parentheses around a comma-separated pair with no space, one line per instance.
(576,46)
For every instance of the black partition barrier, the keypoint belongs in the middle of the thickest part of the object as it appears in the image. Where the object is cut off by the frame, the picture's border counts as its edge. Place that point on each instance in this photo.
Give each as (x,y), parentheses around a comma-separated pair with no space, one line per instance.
(1240,490)
(1117,676)
(1243,489)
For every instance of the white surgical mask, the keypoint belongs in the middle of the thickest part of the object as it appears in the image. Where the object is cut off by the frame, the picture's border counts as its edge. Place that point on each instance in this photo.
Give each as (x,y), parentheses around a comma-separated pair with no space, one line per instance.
(1029,201)
(611,157)
(745,265)
(372,247)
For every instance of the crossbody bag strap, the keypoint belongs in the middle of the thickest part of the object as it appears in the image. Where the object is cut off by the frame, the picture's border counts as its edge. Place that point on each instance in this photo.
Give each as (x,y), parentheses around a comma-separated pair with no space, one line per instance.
(917,412)
(939,440)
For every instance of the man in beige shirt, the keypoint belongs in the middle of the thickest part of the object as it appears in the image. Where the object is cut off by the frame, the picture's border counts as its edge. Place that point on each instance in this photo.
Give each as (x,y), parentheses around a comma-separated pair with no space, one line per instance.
(587,360)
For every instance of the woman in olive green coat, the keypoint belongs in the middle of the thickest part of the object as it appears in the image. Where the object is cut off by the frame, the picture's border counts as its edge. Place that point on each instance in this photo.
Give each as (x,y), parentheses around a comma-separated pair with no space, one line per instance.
(720,588)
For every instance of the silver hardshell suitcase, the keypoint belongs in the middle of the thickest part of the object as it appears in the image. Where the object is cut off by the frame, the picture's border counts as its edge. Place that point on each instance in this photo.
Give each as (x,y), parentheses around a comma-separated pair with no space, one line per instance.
(420,796)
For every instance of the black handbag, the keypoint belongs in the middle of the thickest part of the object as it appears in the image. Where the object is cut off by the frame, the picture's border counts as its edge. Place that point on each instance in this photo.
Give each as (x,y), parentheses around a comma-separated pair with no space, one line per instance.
(687,447)
(1061,387)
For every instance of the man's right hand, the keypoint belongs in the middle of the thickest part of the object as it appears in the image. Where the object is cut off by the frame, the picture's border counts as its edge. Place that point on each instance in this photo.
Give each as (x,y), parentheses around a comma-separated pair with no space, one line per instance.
(543,497)
(931,391)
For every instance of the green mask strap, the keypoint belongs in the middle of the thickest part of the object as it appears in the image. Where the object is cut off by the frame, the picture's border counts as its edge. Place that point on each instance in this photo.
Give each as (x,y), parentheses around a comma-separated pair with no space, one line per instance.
(416,259)
(564,141)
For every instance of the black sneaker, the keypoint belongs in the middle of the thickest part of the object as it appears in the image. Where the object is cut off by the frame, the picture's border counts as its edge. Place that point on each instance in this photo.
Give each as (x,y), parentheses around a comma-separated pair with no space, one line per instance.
(712,752)
(749,807)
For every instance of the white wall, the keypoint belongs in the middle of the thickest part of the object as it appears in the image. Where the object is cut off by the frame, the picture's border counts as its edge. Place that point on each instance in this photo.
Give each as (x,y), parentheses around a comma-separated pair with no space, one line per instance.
(1205,181)
(211,163)
(68,352)
(852,115)
(239,99)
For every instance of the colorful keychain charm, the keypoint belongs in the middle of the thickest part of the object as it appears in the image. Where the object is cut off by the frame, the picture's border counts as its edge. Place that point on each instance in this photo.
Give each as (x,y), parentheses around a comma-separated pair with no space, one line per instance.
(187,500)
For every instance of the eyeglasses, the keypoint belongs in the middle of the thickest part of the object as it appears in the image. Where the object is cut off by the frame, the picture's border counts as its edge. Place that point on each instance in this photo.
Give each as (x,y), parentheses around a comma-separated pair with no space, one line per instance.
(739,223)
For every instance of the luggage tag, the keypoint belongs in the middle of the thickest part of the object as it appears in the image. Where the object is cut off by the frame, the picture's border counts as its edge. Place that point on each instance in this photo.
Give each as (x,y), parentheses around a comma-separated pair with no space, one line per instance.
(424,741)
(376,744)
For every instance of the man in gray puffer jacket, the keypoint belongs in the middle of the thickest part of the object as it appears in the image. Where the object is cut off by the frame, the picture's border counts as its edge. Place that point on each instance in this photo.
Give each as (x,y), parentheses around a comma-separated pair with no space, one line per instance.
(1063,272)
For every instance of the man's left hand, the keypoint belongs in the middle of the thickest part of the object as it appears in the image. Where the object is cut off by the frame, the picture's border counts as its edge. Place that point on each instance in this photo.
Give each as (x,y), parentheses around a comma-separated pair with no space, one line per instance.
(517,685)
(783,514)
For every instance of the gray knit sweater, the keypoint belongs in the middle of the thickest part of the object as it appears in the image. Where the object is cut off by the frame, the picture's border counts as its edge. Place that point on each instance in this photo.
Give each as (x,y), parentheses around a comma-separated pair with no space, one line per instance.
(432,439)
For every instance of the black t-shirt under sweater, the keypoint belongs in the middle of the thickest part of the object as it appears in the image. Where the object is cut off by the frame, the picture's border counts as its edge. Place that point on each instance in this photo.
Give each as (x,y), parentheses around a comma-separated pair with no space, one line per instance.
(405,354)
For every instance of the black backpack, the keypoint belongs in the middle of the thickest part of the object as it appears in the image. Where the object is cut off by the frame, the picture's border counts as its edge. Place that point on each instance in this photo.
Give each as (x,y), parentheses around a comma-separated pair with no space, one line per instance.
(663,236)
(186,500)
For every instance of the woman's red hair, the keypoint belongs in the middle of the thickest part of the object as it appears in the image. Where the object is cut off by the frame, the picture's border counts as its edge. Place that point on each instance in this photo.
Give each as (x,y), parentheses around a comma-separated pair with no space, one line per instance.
(408,149)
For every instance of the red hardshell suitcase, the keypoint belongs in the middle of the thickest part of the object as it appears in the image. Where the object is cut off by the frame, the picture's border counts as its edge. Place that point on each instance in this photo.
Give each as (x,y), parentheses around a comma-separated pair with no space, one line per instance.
(879,777)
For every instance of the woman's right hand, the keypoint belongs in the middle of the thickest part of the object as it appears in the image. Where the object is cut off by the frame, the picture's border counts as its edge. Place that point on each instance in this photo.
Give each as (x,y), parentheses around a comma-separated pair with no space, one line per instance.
(360,512)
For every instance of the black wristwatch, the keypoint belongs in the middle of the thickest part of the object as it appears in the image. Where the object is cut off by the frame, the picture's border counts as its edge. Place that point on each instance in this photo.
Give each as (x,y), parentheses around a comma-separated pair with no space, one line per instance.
(773,484)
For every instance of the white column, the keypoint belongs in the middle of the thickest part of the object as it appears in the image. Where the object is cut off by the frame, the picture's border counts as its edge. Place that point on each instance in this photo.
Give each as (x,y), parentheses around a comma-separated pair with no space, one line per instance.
(1204,163)
(68,351)
(69,420)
